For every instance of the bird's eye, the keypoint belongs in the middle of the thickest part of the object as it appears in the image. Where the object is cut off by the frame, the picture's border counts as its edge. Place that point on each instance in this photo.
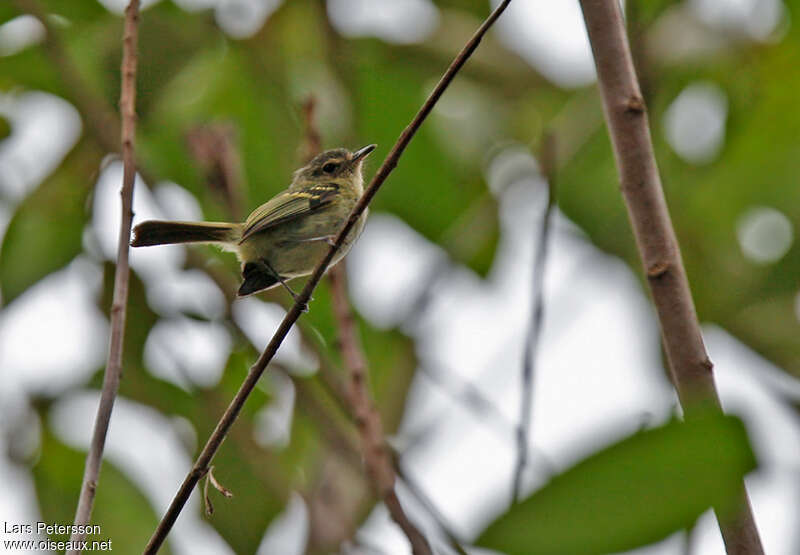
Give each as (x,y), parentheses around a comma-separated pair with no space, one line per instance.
(330,167)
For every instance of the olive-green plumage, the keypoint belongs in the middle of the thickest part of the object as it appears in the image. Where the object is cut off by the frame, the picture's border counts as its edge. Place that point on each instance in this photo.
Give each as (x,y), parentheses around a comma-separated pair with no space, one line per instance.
(288,235)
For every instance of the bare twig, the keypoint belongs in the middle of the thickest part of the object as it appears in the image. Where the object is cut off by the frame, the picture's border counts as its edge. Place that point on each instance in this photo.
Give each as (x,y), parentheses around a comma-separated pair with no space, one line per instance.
(430,507)
(628,126)
(377,457)
(531,344)
(312,145)
(118,307)
(232,412)
(419,545)
(467,394)
(214,148)
(366,417)
(206,499)
(217,486)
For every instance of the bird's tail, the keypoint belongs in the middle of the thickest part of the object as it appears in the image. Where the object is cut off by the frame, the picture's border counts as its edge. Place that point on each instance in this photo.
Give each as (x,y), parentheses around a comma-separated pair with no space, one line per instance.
(155,232)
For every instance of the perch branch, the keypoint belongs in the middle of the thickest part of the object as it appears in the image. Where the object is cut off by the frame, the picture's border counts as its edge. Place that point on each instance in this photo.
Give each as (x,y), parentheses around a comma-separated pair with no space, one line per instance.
(231,413)
(531,344)
(114,363)
(626,117)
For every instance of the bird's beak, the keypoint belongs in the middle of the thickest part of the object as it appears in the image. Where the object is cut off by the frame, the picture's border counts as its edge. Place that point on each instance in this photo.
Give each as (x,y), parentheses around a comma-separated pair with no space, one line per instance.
(362,153)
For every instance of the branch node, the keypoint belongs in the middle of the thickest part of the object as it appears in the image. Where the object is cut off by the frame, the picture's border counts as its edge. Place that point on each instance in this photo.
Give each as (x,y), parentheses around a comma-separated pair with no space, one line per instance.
(657,269)
(635,105)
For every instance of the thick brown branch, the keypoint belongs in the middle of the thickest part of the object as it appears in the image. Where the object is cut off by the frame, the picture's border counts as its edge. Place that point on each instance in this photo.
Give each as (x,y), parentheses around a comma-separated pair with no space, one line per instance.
(114,363)
(626,116)
(232,412)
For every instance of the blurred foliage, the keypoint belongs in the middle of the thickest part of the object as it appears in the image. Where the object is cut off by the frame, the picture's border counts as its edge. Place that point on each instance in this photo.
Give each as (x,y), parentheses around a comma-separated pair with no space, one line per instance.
(5,128)
(45,231)
(191,73)
(636,492)
(57,476)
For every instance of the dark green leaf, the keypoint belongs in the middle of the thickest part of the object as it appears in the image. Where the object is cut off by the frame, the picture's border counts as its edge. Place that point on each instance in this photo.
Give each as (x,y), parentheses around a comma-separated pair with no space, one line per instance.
(5,128)
(633,493)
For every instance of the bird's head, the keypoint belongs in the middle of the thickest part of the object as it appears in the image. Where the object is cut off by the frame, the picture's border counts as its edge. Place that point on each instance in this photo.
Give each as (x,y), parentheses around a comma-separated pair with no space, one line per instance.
(337,165)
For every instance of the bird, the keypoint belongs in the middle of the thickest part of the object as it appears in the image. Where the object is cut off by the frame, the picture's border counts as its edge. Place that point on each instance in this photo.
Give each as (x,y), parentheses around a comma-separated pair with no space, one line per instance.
(287,236)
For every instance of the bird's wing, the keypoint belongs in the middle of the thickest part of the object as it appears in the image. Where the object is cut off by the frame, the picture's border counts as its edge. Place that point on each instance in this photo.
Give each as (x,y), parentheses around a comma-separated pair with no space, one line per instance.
(287,206)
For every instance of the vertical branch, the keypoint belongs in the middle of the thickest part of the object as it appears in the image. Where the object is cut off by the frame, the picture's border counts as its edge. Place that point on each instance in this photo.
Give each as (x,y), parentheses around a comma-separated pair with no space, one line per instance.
(234,408)
(312,144)
(377,457)
(626,117)
(114,362)
(214,146)
(531,344)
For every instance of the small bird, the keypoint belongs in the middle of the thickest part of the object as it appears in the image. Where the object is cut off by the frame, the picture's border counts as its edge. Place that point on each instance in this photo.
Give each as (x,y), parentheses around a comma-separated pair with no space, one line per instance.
(287,236)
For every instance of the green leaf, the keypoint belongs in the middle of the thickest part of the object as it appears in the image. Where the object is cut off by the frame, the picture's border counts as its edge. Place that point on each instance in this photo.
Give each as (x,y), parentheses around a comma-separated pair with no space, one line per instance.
(123,513)
(74,12)
(633,493)
(5,128)
(45,231)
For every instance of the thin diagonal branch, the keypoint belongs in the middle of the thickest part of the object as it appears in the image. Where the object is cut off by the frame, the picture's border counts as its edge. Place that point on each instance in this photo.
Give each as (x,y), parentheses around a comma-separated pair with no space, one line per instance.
(232,412)
(122,274)
(628,126)
(377,457)
(531,344)
(468,394)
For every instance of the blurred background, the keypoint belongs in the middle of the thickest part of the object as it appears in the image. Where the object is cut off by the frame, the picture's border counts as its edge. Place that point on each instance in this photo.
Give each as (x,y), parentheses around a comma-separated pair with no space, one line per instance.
(441,279)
